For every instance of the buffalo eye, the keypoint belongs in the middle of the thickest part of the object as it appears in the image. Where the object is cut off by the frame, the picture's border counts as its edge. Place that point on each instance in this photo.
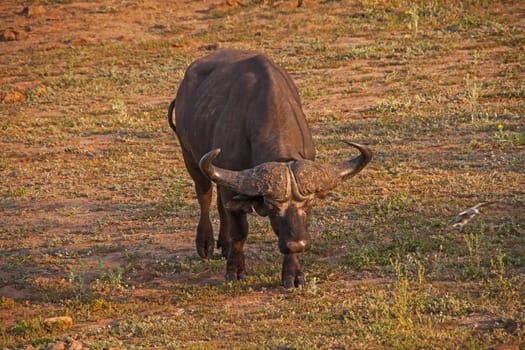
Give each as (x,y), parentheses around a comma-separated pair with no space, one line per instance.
(275,207)
(271,206)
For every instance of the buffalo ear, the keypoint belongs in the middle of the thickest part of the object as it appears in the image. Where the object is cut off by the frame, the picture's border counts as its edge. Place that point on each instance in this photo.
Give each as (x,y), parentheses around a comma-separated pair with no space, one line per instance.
(242,205)
(247,204)
(261,207)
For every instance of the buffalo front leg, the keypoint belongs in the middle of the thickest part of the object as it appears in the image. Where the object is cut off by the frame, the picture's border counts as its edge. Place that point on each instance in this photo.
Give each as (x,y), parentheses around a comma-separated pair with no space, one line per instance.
(292,276)
(235,267)
(204,240)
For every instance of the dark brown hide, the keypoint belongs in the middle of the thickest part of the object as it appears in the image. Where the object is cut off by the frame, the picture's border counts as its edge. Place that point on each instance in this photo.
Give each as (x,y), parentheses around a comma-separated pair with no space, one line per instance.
(241,102)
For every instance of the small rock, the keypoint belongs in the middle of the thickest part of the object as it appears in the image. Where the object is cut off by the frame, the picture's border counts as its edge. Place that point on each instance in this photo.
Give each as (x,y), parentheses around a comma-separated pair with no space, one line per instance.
(13,97)
(60,322)
(39,90)
(68,344)
(11,34)
(72,344)
(33,11)
(211,47)
(56,346)
(8,35)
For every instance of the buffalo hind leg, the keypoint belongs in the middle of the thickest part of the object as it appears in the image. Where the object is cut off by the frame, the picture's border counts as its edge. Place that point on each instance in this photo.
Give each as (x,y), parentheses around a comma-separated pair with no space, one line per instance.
(203,188)
(204,240)
(292,276)
(224,241)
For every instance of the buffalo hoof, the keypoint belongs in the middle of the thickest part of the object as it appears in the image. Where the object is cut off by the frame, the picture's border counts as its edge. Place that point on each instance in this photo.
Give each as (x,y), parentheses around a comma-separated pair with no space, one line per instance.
(294,281)
(288,283)
(299,281)
(292,276)
(205,252)
(205,247)
(225,249)
(232,276)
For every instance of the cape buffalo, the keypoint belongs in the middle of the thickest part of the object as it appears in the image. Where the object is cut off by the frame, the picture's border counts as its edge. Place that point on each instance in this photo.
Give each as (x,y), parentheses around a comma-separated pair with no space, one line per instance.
(240,124)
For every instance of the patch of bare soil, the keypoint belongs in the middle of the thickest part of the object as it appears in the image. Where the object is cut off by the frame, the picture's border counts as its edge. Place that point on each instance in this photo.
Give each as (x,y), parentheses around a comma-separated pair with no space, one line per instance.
(82,23)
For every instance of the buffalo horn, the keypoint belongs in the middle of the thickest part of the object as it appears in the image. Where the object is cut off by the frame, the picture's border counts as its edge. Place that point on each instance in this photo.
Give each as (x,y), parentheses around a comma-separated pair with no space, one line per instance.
(313,177)
(222,177)
(269,178)
(351,167)
(277,180)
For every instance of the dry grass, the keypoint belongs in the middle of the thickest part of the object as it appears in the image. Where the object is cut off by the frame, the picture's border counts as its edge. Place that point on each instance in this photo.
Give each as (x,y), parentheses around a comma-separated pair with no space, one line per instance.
(97,213)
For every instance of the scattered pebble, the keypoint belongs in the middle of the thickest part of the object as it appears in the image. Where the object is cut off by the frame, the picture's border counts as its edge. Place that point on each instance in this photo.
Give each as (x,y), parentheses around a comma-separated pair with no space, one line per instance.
(11,34)
(60,322)
(68,344)
(33,11)
(13,97)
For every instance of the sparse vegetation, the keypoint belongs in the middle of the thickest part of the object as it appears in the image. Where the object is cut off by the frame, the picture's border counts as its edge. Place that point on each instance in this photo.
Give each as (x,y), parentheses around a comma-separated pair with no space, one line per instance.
(507,138)
(97,213)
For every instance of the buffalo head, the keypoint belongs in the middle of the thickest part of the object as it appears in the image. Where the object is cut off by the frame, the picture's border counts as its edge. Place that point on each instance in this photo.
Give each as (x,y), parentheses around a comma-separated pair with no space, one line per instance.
(284,191)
